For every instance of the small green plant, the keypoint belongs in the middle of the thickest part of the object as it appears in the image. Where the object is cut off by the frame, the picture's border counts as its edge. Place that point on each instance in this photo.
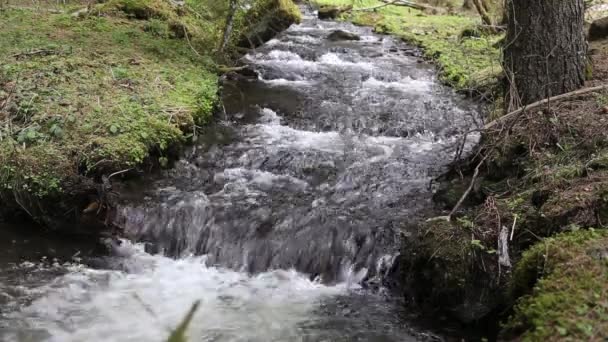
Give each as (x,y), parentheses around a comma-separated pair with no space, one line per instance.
(30,135)
(120,73)
(179,334)
(466,223)
(157,28)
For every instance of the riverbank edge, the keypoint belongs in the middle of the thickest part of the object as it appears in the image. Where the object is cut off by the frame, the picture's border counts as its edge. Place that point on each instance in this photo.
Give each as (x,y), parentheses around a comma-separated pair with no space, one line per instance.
(523,257)
(152,70)
(467,57)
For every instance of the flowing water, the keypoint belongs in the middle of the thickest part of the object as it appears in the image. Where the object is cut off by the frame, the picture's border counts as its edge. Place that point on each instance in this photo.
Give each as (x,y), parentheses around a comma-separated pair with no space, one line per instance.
(283,220)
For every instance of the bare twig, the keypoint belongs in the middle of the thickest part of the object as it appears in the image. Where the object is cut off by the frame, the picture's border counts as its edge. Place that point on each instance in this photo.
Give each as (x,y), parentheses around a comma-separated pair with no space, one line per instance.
(468,191)
(16,196)
(189,43)
(118,173)
(513,227)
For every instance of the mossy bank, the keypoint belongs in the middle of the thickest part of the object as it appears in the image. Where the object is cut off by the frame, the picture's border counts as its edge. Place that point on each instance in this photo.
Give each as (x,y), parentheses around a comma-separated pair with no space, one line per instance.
(110,88)
(467,56)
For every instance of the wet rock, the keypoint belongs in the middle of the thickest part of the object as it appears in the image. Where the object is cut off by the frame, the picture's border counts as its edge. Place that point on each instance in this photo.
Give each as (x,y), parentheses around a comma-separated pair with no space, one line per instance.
(599,29)
(343,35)
(332,12)
(243,72)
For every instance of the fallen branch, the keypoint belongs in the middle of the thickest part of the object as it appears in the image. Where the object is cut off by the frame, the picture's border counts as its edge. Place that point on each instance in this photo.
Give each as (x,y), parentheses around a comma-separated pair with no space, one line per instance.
(41,52)
(406,4)
(542,102)
(373,8)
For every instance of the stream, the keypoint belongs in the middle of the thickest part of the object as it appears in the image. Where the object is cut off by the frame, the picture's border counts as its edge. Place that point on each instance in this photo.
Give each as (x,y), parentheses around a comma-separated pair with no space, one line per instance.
(284,219)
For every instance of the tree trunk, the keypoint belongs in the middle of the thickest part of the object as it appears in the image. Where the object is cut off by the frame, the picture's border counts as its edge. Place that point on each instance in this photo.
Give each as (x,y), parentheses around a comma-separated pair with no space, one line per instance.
(486,5)
(467,5)
(229,24)
(545,51)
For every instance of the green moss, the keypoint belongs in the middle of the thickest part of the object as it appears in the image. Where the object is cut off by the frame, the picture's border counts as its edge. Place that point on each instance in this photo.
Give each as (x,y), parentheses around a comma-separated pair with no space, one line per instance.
(106,90)
(464,62)
(105,95)
(140,9)
(449,266)
(565,278)
(291,10)
(261,22)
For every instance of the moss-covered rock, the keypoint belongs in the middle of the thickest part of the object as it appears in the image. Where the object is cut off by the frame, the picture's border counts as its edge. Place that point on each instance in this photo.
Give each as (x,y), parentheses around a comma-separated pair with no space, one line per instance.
(332,12)
(264,20)
(563,280)
(448,269)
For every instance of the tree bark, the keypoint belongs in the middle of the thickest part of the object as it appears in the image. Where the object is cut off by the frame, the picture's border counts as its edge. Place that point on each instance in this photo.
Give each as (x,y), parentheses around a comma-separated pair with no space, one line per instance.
(229,24)
(545,51)
(467,5)
(483,12)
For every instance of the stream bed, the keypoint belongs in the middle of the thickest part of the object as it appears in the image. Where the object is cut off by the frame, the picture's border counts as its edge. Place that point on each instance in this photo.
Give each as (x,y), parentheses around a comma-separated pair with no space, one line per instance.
(284,220)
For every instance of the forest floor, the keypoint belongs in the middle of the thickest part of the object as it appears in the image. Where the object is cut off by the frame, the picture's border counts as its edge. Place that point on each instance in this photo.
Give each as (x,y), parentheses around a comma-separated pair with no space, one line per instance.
(527,253)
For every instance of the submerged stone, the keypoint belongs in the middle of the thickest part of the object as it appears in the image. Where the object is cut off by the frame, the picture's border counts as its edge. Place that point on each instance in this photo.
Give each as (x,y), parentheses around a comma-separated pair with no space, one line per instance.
(343,35)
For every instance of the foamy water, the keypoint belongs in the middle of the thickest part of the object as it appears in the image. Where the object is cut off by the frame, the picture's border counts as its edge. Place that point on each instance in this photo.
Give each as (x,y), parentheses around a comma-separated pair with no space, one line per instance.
(151,294)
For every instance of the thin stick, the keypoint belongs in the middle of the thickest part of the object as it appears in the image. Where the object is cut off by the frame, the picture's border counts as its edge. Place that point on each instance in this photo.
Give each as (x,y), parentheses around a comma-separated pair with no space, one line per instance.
(189,43)
(118,172)
(466,193)
(513,228)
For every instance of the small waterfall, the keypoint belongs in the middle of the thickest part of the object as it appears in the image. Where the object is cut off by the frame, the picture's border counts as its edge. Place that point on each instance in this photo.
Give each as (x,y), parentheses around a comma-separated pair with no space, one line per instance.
(332,149)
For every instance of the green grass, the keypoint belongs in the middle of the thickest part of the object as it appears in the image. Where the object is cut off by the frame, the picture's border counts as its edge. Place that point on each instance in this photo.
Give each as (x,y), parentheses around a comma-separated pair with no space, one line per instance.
(464,62)
(107,93)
